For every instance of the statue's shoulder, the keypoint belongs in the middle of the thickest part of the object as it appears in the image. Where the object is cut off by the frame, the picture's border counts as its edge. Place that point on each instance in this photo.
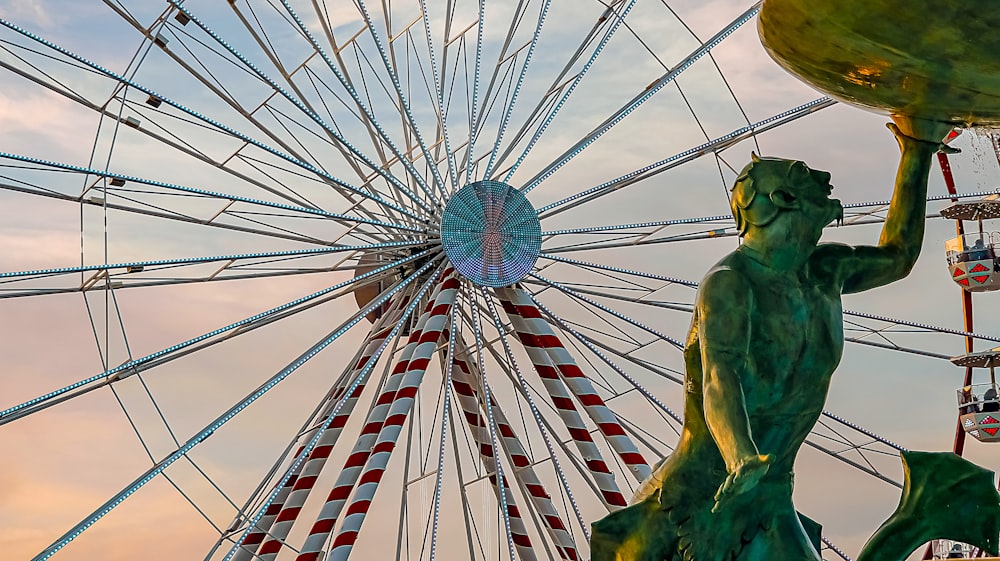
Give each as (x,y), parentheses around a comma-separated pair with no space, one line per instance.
(727,280)
(826,259)
(833,251)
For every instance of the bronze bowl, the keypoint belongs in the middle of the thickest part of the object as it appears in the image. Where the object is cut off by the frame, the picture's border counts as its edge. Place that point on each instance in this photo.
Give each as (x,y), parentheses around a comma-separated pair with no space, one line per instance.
(935,60)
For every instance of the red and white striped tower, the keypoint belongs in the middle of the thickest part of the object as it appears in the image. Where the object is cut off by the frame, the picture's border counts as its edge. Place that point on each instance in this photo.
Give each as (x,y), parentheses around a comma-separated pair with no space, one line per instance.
(311,467)
(349,475)
(317,459)
(535,332)
(611,495)
(401,406)
(465,380)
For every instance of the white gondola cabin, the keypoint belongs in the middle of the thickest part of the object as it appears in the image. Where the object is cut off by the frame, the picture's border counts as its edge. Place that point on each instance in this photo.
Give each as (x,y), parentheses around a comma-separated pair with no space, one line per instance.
(973,257)
(978,404)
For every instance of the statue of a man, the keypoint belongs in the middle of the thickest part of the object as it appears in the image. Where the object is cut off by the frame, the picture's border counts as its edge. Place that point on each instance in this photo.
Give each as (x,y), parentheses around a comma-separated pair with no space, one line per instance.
(765,338)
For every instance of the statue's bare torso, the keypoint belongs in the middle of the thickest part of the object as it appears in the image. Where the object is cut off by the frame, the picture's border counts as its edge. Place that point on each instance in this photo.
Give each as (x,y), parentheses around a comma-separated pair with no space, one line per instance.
(795,342)
(765,338)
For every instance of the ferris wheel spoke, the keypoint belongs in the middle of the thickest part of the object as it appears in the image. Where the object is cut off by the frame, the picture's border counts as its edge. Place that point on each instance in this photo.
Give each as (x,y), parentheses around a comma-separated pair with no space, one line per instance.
(840,553)
(894,347)
(813,443)
(594,349)
(557,530)
(628,272)
(165,138)
(152,273)
(505,63)
(448,366)
(465,385)
(254,523)
(472,537)
(439,80)
(332,132)
(607,329)
(895,448)
(368,117)
(204,433)
(384,442)
(856,465)
(592,344)
(656,226)
(578,293)
(331,180)
(473,108)
(559,396)
(641,98)
(239,217)
(340,69)
(407,114)
(711,147)
(867,335)
(479,430)
(343,74)
(613,20)
(200,72)
(509,107)
(890,325)
(162,356)
(516,533)
(574,294)
(118,181)
(329,136)
(45,79)
(100,282)
(287,504)
(865,449)
(533,330)
(249,115)
(348,477)
(856,214)
(656,444)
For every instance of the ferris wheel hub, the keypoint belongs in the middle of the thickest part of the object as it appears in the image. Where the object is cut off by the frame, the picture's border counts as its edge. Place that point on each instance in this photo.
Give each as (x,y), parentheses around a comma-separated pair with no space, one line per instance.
(491,233)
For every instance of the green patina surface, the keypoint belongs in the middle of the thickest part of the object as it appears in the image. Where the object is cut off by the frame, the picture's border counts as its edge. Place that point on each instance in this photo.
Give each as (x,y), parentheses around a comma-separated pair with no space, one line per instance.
(925,58)
(765,339)
(767,335)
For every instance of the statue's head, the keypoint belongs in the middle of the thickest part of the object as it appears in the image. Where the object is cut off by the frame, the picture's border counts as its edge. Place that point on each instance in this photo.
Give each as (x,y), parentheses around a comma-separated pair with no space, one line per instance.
(768,187)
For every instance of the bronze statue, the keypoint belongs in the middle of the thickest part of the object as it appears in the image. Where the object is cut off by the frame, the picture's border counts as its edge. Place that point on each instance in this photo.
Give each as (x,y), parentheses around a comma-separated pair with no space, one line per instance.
(765,339)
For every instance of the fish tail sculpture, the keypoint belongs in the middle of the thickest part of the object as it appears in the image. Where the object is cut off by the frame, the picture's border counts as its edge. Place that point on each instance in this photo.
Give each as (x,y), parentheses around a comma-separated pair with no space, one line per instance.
(944,497)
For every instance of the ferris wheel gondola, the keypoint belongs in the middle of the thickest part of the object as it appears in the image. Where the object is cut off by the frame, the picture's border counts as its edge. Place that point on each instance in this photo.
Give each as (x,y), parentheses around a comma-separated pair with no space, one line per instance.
(973,258)
(978,403)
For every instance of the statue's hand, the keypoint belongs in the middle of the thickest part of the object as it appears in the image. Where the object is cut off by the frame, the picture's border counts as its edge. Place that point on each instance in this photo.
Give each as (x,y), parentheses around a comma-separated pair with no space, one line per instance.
(908,129)
(742,478)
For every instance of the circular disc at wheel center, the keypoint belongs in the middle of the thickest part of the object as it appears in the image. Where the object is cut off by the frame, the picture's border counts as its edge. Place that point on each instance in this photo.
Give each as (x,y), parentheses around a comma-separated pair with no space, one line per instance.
(490,233)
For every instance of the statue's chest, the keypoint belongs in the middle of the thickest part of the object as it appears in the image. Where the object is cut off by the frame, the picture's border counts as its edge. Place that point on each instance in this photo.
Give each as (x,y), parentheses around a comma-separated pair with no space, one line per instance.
(796,331)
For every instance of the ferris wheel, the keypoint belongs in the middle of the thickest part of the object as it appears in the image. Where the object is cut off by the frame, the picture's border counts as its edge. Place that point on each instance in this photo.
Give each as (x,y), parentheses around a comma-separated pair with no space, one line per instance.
(307,280)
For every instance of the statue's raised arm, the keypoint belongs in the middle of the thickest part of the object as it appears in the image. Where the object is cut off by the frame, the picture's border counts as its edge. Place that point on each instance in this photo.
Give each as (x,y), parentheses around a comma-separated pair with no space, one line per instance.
(859,268)
(766,336)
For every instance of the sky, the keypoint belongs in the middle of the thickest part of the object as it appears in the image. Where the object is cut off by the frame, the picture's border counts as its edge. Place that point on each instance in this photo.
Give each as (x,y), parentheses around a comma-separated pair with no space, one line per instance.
(65,461)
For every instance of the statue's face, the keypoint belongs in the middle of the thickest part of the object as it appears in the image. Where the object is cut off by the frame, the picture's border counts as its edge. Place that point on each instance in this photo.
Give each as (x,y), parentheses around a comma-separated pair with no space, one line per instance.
(812,189)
